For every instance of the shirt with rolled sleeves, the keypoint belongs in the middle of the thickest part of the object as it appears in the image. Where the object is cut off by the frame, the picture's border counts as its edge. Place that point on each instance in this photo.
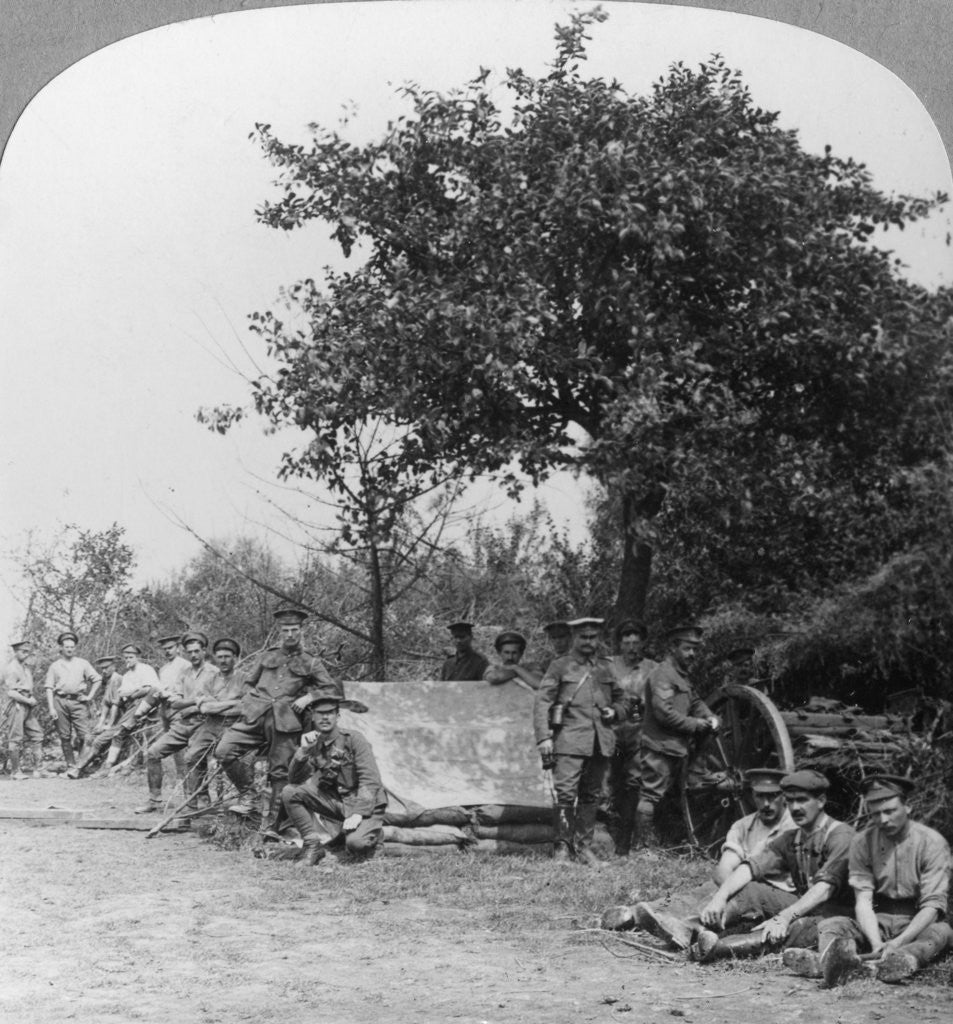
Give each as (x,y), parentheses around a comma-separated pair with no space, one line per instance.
(343,765)
(277,679)
(223,695)
(913,868)
(749,836)
(583,731)
(140,677)
(192,685)
(673,711)
(818,856)
(169,673)
(69,677)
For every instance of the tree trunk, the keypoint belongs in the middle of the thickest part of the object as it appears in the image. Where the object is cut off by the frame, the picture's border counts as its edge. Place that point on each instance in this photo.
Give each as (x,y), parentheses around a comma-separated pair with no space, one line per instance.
(378,660)
(636,574)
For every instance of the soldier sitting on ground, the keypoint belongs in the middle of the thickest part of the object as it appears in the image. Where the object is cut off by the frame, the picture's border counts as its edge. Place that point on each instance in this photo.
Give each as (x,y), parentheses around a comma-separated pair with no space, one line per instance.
(511,646)
(900,875)
(333,773)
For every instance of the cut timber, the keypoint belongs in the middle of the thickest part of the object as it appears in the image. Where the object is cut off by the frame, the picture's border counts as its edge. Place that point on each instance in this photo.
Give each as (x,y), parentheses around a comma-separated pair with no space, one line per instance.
(129,824)
(40,813)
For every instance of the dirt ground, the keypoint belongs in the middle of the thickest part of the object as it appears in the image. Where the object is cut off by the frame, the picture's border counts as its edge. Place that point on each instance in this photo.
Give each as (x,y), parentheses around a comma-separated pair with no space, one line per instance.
(104,925)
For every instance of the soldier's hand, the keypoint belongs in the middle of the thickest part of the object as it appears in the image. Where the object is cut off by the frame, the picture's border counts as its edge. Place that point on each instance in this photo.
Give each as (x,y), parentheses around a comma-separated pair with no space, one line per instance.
(607,714)
(713,913)
(351,822)
(302,703)
(890,946)
(774,930)
(308,738)
(545,748)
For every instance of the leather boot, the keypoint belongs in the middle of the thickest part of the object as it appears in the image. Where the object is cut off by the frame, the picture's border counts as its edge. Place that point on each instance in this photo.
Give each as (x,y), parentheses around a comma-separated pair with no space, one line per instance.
(664,926)
(270,820)
(312,852)
(840,963)
(584,832)
(563,822)
(709,947)
(628,805)
(69,755)
(906,961)
(646,836)
(153,804)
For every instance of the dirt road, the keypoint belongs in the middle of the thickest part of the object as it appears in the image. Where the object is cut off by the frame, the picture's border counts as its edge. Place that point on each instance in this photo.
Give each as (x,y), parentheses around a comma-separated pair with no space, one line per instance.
(108,926)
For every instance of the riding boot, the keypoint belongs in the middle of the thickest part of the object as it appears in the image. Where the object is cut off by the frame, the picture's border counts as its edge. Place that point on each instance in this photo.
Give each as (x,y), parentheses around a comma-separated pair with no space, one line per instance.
(664,926)
(270,820)
(15,764)
(628,805)
(69,754)
(708,947)
(840,963)
(909,958)
(563,823)
(585,827)
(646,836)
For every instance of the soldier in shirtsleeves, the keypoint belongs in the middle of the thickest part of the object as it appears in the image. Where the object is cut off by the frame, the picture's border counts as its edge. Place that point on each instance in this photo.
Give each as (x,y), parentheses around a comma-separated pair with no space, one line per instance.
(333,773)
(68,695)
(899,871)
(280,687)
(631,670)
(196,682)
(21,722)
(511,646)
(674,714)
(576,705)
(465,664)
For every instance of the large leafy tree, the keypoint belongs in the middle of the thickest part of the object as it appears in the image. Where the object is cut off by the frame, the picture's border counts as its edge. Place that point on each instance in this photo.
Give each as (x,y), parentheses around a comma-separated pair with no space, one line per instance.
(664,291)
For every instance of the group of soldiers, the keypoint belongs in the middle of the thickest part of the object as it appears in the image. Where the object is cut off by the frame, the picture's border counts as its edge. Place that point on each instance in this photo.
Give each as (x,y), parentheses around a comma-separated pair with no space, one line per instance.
(840,903)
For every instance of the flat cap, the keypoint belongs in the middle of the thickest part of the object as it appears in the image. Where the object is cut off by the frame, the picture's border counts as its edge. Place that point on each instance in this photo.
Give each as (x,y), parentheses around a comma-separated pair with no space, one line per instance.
(226,643)
(886,787)
(807,780)
(509,636)
(106,659)
(68,635)
(133,648)
(581,623)
(172,638)
(689,632)
(17,644)
(289,614)
(195,636)
(556,628)
(765,780)
(461,626)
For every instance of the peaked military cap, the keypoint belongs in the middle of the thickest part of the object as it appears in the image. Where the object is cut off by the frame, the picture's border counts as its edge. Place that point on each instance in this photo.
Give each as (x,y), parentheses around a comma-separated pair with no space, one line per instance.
(226,643)
(68,635)
(556,628)
(106,659)
(885,787)
(288,613)
(461,627)
(174,638)
(135,648)
(585,621)
(765,780)
(631,626)
(194,635)
(687,631)
(510,636)
(807,780)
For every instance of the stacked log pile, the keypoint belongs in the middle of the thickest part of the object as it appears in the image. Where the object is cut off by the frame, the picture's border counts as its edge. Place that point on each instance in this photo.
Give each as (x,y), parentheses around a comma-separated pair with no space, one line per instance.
(493,828)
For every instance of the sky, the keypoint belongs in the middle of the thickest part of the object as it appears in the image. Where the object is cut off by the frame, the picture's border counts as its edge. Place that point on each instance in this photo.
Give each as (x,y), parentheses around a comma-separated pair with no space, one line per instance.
(130,255)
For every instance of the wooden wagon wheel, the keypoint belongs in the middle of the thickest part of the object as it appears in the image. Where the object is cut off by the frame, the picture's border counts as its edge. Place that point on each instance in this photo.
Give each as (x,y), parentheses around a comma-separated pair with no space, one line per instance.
(752,735)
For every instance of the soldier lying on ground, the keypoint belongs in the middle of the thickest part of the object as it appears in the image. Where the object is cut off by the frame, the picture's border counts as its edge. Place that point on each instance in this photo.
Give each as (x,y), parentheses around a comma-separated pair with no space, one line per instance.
(814,853)
(333,773)
(900,875)
(511,646)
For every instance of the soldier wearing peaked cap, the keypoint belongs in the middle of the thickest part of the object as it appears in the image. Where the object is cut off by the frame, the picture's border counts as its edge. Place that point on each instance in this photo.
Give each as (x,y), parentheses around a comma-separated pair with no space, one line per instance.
(577,703)
(511,646)
(18,718)
(334,773)
(279,687)
(750,834)
(68,693)
(899,871)
(674,714)
(465,664)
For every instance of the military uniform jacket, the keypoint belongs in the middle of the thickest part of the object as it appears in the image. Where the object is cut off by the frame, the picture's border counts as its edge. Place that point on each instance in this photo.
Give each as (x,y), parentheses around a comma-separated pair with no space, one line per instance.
(672,711)
(343,765)
(276,680)
(583,731)
(464,667)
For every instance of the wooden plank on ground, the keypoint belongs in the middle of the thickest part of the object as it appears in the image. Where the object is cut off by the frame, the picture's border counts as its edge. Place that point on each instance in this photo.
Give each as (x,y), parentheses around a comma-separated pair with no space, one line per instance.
(37,813)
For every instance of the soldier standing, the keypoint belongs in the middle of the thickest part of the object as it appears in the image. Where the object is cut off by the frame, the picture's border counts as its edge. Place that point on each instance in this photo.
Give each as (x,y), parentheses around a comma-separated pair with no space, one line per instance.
(631,671)
(899,871)
(22,722)
(576,704)
(67,696)
(466,664)
(334,774)
(279,688)
(674,713)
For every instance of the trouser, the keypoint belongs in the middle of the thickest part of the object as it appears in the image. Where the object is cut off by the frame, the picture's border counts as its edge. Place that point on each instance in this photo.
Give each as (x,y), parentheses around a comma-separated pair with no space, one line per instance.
(578,782)
(242,738)
(97,745)
(926,947)
(201,745)
(757,901)
(72,720)
(175,738)
(627,760)
(25,730)
(301,800)
(659,772)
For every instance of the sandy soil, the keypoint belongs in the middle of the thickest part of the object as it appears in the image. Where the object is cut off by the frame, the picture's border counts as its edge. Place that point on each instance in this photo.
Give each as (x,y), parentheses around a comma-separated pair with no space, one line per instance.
(106,925)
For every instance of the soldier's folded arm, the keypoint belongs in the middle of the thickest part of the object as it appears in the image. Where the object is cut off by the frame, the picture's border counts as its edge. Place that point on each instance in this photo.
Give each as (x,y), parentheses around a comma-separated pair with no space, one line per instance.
(300,767)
